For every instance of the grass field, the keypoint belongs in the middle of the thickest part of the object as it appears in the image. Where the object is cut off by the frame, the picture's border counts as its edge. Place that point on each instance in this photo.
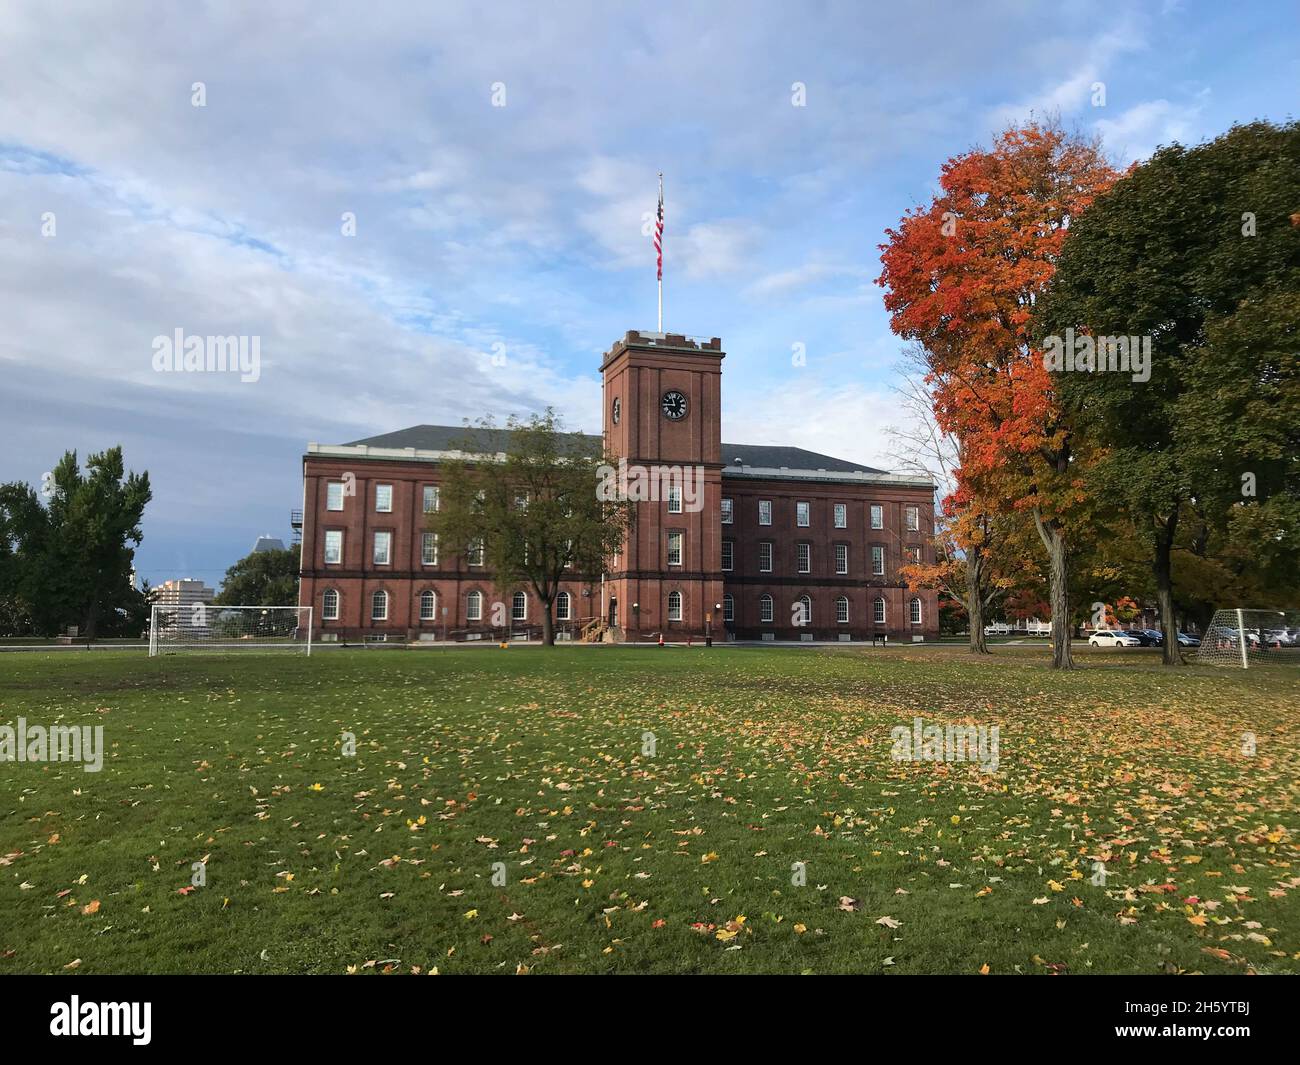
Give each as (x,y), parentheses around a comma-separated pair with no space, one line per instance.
(679,861)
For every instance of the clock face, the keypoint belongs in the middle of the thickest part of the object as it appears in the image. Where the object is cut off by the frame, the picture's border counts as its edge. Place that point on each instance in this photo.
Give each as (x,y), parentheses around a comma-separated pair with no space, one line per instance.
(673,405)
(618,409)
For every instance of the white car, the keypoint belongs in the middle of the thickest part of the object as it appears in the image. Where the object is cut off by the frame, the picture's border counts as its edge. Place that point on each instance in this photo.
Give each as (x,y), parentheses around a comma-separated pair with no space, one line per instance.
(1109,638)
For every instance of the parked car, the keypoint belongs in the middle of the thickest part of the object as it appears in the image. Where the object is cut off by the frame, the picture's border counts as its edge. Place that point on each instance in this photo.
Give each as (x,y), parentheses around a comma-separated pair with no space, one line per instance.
(1157,637)
(1112,638)
(1188,641)
(1142,636)
(1280,637)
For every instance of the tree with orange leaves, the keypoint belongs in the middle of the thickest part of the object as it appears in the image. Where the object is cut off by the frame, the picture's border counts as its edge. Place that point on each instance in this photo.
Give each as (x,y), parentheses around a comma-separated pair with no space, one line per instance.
(962,276)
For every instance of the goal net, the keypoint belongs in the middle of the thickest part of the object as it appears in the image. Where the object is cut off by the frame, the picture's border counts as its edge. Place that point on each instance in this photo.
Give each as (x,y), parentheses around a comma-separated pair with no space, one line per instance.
(208,627)
(1248,638)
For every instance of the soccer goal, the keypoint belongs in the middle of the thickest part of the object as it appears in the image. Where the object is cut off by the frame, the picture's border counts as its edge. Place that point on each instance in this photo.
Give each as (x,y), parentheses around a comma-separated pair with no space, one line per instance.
(209,627)
(1247,638)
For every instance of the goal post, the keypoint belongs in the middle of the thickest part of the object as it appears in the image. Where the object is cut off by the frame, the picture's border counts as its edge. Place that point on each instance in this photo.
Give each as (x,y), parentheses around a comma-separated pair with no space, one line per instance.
(1243,639)
(216,627)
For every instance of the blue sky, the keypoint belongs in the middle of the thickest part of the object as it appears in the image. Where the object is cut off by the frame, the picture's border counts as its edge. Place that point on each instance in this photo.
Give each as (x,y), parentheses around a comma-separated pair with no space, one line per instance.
(520,226)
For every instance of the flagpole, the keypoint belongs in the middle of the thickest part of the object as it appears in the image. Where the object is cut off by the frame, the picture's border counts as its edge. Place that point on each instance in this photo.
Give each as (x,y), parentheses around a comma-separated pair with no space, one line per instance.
(661,272)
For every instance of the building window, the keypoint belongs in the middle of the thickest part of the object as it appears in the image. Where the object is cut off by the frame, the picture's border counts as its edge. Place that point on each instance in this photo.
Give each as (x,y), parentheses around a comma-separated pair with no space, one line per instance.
(804,554)
(334,495)
(428,606)
(877,516)
(674,549)
(379,606)
(915,609)
(429,549)
(333,546)
(674,606)
(384,498)
(877,561)
(726,512)
(764,608)
(519,607)
(474,606)
(841,558)
(913,552)
(563,607)
(383,547)
(803,611)
(841,516)
(728,609)
(475,553)
(913,518)
(842,610)
(728,554)
(878,611)
(674,499)
(765,556)
(330,605)
(764,512)
(801,515)
(431,499)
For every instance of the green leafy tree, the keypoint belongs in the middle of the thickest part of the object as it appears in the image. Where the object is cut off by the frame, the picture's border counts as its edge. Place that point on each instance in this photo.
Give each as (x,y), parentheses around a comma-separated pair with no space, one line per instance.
(262,578)
(1197,250)
(69,562)
(528,498)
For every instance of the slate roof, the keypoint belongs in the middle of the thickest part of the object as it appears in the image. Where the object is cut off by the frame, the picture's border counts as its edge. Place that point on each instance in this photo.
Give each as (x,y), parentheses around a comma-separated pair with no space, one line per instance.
(769,456)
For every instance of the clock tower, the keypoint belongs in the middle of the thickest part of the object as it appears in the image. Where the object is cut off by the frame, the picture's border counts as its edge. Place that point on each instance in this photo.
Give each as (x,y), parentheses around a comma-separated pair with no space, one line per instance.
(663,417)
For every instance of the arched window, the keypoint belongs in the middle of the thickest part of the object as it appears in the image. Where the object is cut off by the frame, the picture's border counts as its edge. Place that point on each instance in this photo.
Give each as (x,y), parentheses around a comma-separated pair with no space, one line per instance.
(428,606)
(803,616)
(915,608)
(674,606)
(842,610)
(728,609)
(563,607)
(519,607)
(878,610)
(330,605)
(474,606)
(764,608)
(379,606)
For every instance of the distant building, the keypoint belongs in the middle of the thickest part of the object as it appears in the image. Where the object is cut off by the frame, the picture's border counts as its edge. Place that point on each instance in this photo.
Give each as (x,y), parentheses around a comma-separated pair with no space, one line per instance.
(182,593)
(268,543)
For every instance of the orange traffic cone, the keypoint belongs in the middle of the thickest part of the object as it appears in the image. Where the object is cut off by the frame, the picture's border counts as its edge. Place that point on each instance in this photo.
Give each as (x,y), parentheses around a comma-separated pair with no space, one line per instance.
(661,639)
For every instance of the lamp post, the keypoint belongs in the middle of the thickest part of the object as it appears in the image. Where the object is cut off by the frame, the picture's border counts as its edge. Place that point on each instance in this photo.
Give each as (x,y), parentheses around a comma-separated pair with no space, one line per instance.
(636,619)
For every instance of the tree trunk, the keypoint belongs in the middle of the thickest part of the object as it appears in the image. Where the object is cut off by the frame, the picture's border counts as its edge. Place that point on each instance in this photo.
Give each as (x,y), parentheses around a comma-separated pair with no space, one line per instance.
(1161,564)
(1058,577)
(975,600)
(548,626)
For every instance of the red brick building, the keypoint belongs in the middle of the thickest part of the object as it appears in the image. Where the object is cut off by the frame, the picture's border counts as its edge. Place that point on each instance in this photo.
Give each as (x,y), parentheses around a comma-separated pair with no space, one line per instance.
(778,543)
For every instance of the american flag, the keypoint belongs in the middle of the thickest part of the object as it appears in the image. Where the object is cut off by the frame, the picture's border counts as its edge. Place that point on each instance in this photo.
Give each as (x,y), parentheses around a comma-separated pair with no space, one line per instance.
(659,234)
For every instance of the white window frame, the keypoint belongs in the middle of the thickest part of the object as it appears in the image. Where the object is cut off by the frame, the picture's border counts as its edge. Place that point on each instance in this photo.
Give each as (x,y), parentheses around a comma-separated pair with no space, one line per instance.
(519,606)
(805,601)
(674,606)
(474,555)
(877,556)
(728,609)
(841,558)
(912,518)
(428,557)
(385,537)
(728,511)
(474,606)
(431,495)
(376,598)
(842,610)
(802,514)
(878,610)
(841,515)
(384,491)
(676,546)
(764,512)
(765,548)
(877,516)
(674,499)
(334,536)
(915,612)
(329,605)
(564,607)
(766,608)
(728,555)
(803,557)
(431,597)
(331,496)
